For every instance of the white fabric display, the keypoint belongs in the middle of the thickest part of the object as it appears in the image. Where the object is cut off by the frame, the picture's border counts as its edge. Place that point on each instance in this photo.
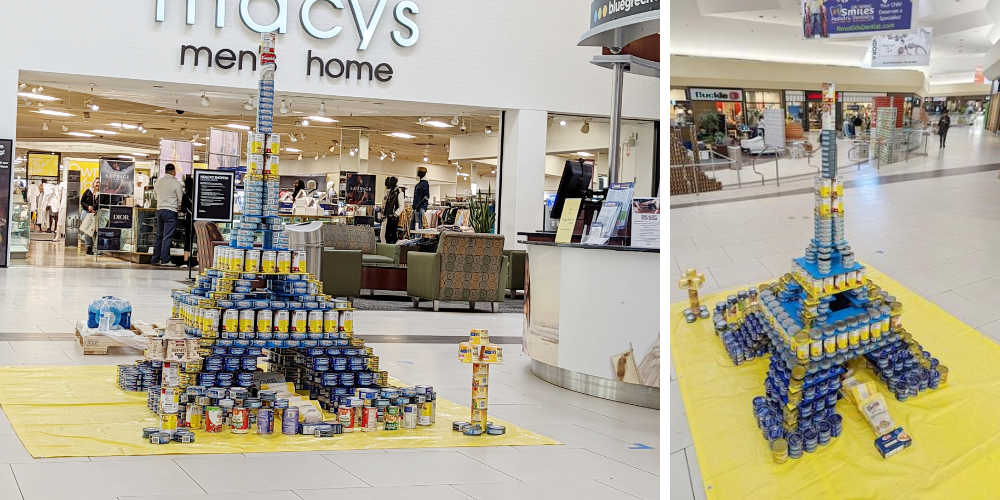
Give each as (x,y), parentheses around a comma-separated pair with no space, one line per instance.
(33,196)
(48,196)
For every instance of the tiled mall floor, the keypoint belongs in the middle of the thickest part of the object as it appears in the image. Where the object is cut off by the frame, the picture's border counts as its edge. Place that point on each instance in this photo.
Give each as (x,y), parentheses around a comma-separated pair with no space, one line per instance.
(939,236)
(610,451)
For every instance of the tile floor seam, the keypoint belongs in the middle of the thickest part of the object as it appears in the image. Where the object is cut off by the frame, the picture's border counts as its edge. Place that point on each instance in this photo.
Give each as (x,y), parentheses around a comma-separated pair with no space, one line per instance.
(14,476)
(596,412)
(335,464)
(616,489)
(195,481)
(630,465)
(452,486)
(490,466)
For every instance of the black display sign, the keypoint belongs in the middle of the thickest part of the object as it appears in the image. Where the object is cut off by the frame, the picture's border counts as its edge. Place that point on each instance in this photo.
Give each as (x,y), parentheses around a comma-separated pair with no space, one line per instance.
(213,195)
(72,209)
(605,11)
(120,218)
(360,189)
(109,239)
(6,170)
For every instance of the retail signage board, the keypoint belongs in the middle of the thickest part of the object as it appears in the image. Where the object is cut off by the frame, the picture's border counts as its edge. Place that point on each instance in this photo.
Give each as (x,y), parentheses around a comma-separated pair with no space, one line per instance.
(360,189)
(43,165)
(72,208)
(698,94)
(6,201)
(120,217)
(605,11)
(567,222)
(902,49)
(109,239)
(646,222)
(855,18)
(117,177)
(774,128)
(214,191)
(178,153)
(980,77)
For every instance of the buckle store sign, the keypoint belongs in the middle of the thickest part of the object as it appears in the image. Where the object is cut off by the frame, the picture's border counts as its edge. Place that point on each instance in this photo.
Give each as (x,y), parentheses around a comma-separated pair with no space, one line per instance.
(716,95)
(365,23)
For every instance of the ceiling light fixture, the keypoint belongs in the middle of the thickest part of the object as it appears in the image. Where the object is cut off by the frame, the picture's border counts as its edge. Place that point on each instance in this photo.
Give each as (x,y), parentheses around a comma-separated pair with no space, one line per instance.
(196,137)
(205,101)
(323,156)
(126,157)
(562,123)
(454,121)
(392,155)
(22,86)
(317,157)
(65,128)
(437,124)
(45,125)
(402,135)
(196,143)
(54,112)
(552,120)
(300,156)
(124,125)
(38,97)
(425,159)
(322,119)
(489,129)
(106,132)
(302,135)
(305,123)
(422,119)
(293,150)
(238,126)
(37,89)
(139,154)
(322,109)
(584,153)
(284,107)
(292,137)
(89,104)
(352,151)
(27,102)
(381,154)
(249,104)
(86,116)
(79,134)
(463,125)
(493,171)
(586,126)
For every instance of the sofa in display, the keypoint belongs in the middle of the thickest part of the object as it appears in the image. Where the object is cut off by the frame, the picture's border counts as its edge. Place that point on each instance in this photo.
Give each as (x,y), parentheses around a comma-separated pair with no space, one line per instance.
(515,267)
(466,267)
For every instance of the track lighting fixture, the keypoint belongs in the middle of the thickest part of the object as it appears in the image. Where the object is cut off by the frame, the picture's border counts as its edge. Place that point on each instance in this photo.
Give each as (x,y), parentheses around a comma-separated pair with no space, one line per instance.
(27,102)
(322,109)
(425,159)
(205,101)
(463,126)
(305,123)
(586,126)
(317,157)
(292,137)
(302,135)
(489,129)
(65,128)
(37,90)
(249,104)
(323,156)
(352,151)
(381,154)
(333,148)
(392,155)
(196,136)
(300,156)
(89,104)
(284,107)
(454,121)
(22,86)
(45,125)
(142,128)
(493,171)
(562,123)
(41,105)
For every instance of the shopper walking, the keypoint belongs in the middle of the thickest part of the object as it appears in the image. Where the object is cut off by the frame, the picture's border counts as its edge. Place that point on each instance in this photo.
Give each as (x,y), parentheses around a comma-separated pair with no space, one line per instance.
(943,125)
(392,206)
(168,193)
(421,195)
(88,204)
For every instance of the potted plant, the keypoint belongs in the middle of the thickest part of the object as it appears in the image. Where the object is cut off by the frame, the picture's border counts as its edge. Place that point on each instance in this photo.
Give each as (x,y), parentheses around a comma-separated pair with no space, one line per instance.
(481,212)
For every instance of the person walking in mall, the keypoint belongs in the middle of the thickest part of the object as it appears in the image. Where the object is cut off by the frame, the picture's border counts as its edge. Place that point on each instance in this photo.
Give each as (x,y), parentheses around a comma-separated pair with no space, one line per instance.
(88,203)
(168,193)
(943,125)
(392,206)
(421,195)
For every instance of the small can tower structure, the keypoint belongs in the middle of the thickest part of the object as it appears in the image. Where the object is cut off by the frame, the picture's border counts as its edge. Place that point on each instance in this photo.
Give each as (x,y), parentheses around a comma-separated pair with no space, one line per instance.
(481,354)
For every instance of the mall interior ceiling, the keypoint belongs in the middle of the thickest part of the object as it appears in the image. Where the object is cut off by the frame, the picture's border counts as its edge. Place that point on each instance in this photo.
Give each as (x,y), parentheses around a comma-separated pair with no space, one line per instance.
(93,120)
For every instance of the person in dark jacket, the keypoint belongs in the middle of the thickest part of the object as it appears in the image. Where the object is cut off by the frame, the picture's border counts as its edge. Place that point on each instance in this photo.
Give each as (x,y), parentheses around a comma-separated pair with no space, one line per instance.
(421,196)
(187,208)
(88,204)
(943,125)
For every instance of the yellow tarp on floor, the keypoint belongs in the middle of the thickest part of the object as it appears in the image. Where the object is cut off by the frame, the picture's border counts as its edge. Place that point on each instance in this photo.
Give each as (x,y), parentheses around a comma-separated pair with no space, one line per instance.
(955,429)
(79,411)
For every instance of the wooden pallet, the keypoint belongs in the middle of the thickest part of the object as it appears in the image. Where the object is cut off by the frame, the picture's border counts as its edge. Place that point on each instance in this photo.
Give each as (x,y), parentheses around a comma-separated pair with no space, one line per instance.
(98,344)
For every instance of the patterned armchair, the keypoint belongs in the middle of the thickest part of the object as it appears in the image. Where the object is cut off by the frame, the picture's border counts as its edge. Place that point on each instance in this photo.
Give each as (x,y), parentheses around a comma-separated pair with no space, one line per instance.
(207,232)
(355,238)
(466,267)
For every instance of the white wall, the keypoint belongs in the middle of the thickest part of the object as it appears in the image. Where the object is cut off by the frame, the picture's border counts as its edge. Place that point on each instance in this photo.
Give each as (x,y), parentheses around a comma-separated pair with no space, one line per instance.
(474,147)
(487,55)
(522,174)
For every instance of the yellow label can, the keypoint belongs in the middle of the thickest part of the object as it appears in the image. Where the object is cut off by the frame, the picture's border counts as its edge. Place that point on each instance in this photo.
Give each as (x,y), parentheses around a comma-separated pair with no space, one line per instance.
(231,321)
(281,323)
(315,321)
(284,262)
(265,319)
(246,321)
(300,321)
(269,261)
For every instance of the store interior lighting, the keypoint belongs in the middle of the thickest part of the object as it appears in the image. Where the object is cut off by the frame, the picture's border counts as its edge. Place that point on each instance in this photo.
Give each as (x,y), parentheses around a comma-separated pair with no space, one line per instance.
(79,134)
(392,155)
(196,137)
(53,112)
(205,101)
(249,104)
(65,128)
(37,90)
(305,123)
(352,151)
(89,104)
(322,109)
(302,135)
(463,125)
(402,135)
(436,124)
(124,125)
(562,123)
(489,129)
(584,153)
(293,150)
(586,127)
(105,132)
(183,131)
(292,137)
(142,128)
(45,125)
(322,119)
(284,107)
(196,143)
(454,121)
(37,97)
(300,156)
(238,126)
(317,157)
(22,86)
(425,159)
(381,154)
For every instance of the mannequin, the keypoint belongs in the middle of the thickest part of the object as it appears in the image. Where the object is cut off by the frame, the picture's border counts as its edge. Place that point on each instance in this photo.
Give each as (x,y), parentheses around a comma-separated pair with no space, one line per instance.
(33,195)
(49,198)
(391,208)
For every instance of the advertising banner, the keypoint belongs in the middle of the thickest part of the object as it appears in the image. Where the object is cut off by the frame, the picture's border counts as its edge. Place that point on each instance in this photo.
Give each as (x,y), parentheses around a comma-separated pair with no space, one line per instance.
(180,153)
(646,222)
(109,239)
(120,218)
(728,95)
(117,177)
(89,172)
(605,11)
(43,165)
(360,189)
(213,195)
(855,18)
(6,171)
(903,49)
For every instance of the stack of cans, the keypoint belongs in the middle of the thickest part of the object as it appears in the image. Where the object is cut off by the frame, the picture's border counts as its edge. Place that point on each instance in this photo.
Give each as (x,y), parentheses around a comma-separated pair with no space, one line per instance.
(139,377)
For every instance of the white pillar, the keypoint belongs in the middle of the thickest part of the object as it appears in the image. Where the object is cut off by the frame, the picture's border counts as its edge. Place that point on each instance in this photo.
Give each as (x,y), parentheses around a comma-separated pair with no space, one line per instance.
(522,174)
(8,103)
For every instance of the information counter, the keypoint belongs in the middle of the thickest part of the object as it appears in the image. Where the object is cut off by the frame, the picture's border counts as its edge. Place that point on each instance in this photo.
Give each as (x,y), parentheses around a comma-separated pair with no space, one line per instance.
(592,319)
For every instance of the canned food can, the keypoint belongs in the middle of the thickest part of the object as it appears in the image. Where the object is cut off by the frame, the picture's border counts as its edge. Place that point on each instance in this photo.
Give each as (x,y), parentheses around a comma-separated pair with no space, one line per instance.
(345,414)
(298,261)
(149,431)
(213,419)
(331,318)
(265,421)
(346,321)
(495,430)
(300,320)
(410,412)
(315,321)
(290,421)
(240,420)
(246,321)
(284,262)
(237,257)
(369,419)
(252,261)
(479,337)
(391,418)
(194,416)
(211,320)
(478,417)
(160,438)
(265,319)
(269,261)
(281,321)
(231,320)
(426,410)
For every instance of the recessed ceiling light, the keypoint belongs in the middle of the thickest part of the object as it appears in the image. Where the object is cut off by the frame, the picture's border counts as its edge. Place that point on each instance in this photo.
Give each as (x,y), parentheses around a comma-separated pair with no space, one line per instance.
(435,123)
(402,135)
(293,150)
(584,153)
(489,129)
(38,96)
(238,126)
(321,119)
(562,123)
(65,128)
(305,123)
(425,158)
(123,125)
(53,112)
(79,134)
(108,132)
(196,143)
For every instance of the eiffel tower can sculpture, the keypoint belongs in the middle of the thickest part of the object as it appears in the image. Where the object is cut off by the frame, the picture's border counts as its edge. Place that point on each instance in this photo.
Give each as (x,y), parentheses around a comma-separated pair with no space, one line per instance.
(815,319)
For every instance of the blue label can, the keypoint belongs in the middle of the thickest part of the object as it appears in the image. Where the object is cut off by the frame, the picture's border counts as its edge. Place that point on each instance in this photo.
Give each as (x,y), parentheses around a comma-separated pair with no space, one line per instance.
(290,421)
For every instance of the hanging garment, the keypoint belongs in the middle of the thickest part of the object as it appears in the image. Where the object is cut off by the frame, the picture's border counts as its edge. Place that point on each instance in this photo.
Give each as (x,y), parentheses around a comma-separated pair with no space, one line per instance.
(33,196)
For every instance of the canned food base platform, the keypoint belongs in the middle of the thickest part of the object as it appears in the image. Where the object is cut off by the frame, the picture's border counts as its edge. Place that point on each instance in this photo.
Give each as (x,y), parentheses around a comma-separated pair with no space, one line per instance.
(78,411)
(955,429)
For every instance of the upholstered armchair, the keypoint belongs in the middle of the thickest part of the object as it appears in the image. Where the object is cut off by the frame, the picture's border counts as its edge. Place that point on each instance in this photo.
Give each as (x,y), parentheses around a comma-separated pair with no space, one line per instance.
(466,267)
(343,237)
(208,233)
(515,265)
